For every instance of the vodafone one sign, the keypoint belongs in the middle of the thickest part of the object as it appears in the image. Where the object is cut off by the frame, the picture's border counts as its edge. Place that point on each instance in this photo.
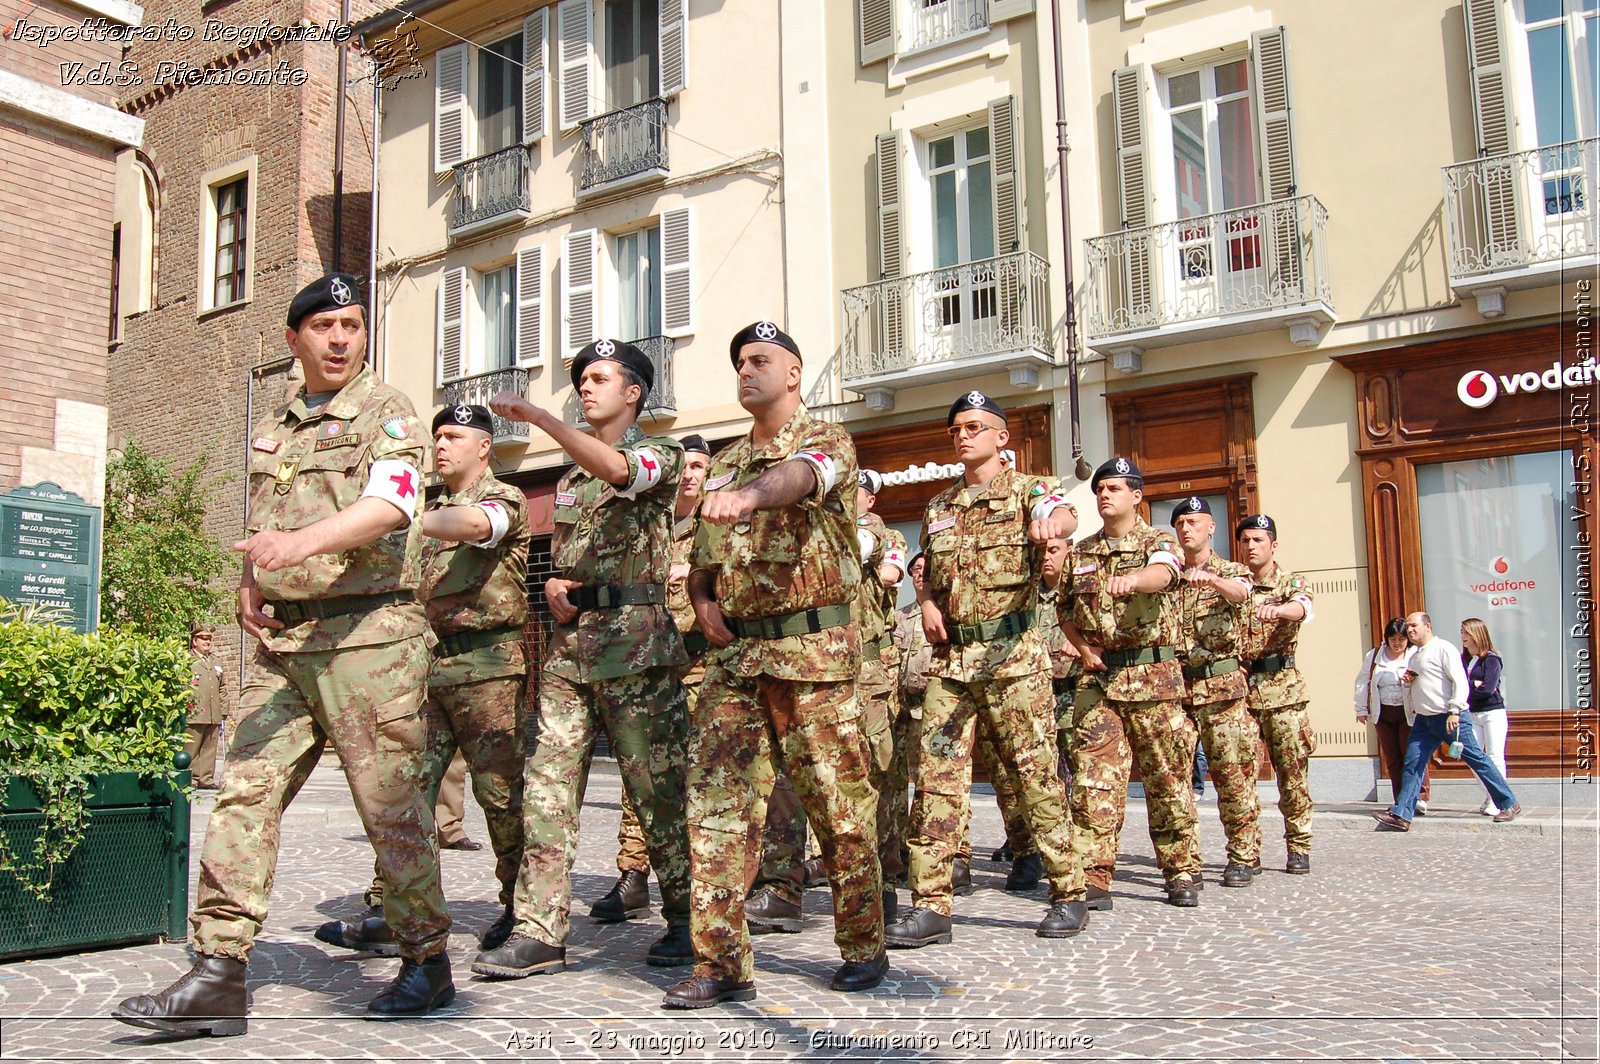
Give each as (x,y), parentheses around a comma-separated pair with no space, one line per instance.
(1477,388)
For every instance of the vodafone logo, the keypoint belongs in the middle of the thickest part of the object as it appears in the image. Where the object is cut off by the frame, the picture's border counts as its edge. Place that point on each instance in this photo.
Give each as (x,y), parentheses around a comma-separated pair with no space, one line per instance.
(1477,389)
(1500,565)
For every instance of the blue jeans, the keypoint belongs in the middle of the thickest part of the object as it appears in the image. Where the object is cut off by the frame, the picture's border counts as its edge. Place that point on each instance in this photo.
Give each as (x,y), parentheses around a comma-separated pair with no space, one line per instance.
(1200,766)
(1427,735)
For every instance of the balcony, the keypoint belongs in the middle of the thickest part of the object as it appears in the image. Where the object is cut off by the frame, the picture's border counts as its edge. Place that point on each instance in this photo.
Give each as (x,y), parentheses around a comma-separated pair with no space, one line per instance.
(936,22)
(489,191)
(478,389)
(1521,220)
(1240,271)
(624,148)
(948,324)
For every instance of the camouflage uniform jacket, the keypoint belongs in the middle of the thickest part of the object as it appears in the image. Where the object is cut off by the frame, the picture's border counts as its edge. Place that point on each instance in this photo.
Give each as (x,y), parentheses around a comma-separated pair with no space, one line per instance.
(982,566)
(1128,622)
(305,467)
(1208,629)
(1262,639)
(1062,664)
(468,588)
(678,604)
(618,536)
(880,545)
(915,656)
(784,561)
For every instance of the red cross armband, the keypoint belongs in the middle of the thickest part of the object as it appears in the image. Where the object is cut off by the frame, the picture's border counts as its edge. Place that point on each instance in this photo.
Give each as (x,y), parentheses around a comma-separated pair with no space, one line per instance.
(499,522)
(647,465)
(1047,506)
(827,471)
(394,482)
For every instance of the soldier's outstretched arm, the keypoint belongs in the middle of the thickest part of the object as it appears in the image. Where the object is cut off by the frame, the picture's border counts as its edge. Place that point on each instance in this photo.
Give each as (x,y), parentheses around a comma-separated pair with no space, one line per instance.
(595,456)
(785,484)
(457,524)
(369,518)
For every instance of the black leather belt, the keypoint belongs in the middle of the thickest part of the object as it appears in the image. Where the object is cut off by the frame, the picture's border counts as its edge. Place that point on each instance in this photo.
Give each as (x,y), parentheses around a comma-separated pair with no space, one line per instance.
(1271,663)
(995,628)
(695,644)
(1067,685)
(461,642)
(1122,659)
(337,606)
(804,622)
(1211,668)
(610,596)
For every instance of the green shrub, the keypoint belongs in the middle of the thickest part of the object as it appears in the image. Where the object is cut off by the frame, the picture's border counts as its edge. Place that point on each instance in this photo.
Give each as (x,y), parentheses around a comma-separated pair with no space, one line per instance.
(76,706)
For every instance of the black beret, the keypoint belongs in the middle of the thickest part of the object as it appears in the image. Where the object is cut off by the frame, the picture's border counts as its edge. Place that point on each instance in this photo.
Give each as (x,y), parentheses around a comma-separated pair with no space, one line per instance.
(1112,468)
(325,293)
(1256,521)
(870,479)
(761,332)
(974,400)
(620,353)
(1194,504)
(471,417)
(696,443)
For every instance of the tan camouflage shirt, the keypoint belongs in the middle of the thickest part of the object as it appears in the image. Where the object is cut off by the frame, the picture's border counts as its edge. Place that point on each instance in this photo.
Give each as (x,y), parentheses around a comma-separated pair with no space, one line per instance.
(466,587)
(981,566)
(1265,638)
(1128,622)
(785,561)
(604,537)
(1055,640)
(915,657)
(1208,630)
(880,545)
(678,604)
(305,467)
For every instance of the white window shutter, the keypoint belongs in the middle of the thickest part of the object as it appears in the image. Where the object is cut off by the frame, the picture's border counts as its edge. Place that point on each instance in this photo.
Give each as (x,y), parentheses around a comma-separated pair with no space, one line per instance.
(535,75)
(875,29)
(575,46)
(530,306)
(1269,54)
(1486,61)
(1133,186)
(1003,164)
(452,338)
(1000,10)
(890,161)
(677,273)
(580,302)
(674,47)
(450,107)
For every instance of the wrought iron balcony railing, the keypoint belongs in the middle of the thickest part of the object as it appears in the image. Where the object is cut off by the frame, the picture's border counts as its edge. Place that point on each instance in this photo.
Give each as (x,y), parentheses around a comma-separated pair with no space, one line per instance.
(625,145)
(663,399)
(1253,261)
(926,323)
(935,21)
(478,389)
(490,189)
(1521,211)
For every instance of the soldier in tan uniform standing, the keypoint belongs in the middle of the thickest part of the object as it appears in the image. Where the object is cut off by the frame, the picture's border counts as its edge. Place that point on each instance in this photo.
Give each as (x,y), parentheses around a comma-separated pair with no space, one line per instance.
(775,569)
(1279,603)
(984,540)
(1210,621)
(205,711)
(335,554)
(1118,612)
(474,586)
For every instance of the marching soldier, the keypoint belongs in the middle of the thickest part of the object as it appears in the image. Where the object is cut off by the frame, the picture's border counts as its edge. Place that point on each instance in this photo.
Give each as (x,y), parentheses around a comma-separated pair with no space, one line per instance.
(1117,612)
(1210,620)
(474,587)
(205,712)
(614,659)
(1279,603)
(983,537)
(335,553)
(629,896)
(776,564)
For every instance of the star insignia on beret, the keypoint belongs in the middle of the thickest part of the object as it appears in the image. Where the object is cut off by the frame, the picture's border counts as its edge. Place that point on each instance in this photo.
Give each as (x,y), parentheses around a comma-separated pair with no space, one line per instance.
(1122,465)
(1263,521)
(765,330)
(605,348)
(341,292)
(1194,502)
(977,398)
(462,414)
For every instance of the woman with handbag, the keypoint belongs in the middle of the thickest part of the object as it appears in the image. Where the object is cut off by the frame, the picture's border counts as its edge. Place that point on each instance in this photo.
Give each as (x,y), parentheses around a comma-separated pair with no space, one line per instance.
(1381,701)
(1486,704)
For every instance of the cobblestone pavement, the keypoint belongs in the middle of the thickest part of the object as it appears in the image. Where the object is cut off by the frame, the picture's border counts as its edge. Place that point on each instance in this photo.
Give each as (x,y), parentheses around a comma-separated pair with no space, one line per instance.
(1458,941)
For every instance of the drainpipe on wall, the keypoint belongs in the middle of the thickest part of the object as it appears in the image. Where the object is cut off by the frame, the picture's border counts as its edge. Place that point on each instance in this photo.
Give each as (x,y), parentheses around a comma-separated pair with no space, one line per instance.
(372,234)
(1080,467)
(338,145)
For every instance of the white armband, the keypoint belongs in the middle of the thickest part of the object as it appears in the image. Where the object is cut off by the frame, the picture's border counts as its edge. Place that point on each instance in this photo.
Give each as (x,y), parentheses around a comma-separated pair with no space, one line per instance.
(867,542)
(1165,557)
(647,466)
(827,472)
(1305,600)
(394,482)
(1046,506)
(896,557)
(499,523)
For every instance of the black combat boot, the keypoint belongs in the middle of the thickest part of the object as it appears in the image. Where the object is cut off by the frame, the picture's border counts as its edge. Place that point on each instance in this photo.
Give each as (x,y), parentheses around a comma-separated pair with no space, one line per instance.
(369,935)
(671,950)
(1063,920)
(1026,871)
(919,927)
(1237,875)
(814,873)
(496,934)
(1181,892)
(766,912)
(1299,864)
(209,1000)
(628,899)
(418,989)
(860,975)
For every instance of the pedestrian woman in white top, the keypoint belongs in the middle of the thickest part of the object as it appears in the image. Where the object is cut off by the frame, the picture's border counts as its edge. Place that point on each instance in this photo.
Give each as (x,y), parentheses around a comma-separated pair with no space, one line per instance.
(1485,704)
(1380,701)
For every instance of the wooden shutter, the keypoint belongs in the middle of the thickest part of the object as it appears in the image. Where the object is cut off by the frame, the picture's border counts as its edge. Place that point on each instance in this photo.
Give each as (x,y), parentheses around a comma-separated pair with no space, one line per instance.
(451,344)
(1000,10)
(677,273)
(1133,186)
(1269,54)
(875,29)
(674,47)
(580,304)
(535,75)
(450,111)
(1003,161)
(1486,61)
(530,306)
(889,329)
(575,43)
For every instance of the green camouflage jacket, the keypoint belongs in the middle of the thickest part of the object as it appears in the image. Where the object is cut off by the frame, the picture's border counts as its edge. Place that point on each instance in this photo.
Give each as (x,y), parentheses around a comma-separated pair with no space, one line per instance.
(471,588)
(1128,622)
(1208,629)
(1266,638)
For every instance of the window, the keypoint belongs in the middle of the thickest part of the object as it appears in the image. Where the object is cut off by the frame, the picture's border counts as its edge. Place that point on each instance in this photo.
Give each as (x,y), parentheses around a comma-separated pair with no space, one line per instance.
(490,98)
(1563,53)
(632,43)
(226,245)
(961,191)
(497,310)
(1214,167)
(115,327)
(637,259)
(936,21)
(499,101)
(228,273)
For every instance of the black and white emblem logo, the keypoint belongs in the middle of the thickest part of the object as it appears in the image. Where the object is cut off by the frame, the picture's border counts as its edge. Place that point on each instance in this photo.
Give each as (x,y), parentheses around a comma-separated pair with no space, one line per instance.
(462,414)
(765,330)
(605,348)
(341,292)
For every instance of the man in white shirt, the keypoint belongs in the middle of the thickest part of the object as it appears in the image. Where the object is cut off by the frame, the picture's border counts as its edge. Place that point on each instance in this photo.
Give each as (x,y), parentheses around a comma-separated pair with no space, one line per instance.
(1436,692)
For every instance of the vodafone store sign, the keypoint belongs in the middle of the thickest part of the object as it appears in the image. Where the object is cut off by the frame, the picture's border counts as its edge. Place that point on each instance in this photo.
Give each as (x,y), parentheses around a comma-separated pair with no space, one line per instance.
(1477,388)
(1502,587)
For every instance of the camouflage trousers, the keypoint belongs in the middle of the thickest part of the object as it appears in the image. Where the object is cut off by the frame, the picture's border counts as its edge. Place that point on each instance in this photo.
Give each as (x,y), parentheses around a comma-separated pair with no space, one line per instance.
(632,854)
(1016,710)
(1229,734)
(1107,737)
(1290,742)
(366,701)
(1007,787)
(486,720)
(644,716)
(742,730)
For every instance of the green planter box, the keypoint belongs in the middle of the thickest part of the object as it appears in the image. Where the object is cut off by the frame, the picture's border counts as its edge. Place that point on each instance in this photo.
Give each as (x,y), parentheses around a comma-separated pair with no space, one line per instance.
(127,882)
